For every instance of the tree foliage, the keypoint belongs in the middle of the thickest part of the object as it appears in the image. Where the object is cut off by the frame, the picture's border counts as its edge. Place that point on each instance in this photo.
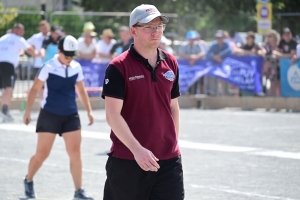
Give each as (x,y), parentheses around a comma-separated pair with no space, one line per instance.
(6,16)
(209,15)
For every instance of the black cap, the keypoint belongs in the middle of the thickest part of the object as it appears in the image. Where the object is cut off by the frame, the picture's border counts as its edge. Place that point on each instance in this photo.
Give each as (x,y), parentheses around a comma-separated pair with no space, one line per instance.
(55,29)
(68,45)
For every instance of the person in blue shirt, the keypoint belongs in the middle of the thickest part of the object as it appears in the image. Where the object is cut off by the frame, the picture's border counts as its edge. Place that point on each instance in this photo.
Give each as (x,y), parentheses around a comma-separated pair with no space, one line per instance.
(219,49)
(217,52)
(49,47)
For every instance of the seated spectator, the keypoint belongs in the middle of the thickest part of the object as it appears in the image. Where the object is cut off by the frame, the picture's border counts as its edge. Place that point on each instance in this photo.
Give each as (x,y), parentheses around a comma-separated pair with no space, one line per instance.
(250,48)
(271,68)
(165,45)
(191,50)
(104,46)
(287,46)
(87,46)
(124,43)
(219,49)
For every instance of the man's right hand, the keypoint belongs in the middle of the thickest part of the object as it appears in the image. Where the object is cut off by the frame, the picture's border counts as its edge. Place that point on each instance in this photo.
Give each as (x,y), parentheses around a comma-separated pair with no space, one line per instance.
(146,159)
(26,118)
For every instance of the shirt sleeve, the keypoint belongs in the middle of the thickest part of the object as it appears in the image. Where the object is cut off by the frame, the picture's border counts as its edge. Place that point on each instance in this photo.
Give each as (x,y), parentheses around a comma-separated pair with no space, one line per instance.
(175,92)
(43,73)
(298,51)
(114,83)
(294,45)
(31,40)
(24,45)
(80,76)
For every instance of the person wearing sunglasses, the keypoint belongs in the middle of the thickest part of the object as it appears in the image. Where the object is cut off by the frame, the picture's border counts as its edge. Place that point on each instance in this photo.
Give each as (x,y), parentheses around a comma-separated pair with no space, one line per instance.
(141,90)
(59,115)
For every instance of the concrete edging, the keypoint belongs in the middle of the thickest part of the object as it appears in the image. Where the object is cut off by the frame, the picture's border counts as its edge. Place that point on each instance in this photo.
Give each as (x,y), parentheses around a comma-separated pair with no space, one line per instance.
(209,102)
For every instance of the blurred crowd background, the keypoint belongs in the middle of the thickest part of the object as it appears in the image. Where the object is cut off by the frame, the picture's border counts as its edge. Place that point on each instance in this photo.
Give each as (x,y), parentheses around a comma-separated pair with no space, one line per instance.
(198,29)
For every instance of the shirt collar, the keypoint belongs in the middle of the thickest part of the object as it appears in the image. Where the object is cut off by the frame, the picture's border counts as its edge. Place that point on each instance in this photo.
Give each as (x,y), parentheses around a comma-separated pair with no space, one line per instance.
(161,55)
(57,62)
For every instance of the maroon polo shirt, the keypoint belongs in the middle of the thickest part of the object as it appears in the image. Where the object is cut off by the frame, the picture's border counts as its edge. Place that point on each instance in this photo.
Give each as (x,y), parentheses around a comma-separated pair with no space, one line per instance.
(146,95)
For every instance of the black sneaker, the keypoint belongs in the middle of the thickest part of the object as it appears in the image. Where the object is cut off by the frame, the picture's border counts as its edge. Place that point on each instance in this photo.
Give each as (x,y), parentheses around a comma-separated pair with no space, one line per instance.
(29,191)
(80,194)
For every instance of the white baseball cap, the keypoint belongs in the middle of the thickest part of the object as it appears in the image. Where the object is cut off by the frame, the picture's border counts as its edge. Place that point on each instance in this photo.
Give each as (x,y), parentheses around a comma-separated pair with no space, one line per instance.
(145,13)
(68,45)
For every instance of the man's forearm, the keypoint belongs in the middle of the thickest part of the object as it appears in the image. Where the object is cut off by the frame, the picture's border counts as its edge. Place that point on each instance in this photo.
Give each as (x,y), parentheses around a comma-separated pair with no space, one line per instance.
(85,101)
(122,131)
(30,99)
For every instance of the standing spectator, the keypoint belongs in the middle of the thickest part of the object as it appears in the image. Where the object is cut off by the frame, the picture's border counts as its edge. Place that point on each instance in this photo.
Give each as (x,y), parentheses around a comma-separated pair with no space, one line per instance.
(230,40)
(250,48)
(271,68)
(217,52)
(141,91)
(87,45)
(36,41)
(10,46)
(287,46)
(193,51)
(125,41)
(296,57)
(219,49)
(104,46)
(49,48)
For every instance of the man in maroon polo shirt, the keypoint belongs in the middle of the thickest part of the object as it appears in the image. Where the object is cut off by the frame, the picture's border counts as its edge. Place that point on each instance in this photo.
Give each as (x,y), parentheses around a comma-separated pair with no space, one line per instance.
(141,90)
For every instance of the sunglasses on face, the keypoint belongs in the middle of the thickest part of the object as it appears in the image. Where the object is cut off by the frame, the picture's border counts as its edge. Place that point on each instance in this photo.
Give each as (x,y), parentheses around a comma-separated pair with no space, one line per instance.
(70,57)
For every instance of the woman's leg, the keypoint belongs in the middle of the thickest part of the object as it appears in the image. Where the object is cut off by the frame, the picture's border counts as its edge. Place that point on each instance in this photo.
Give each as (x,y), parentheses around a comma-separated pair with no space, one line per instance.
(44,145)
(73,141)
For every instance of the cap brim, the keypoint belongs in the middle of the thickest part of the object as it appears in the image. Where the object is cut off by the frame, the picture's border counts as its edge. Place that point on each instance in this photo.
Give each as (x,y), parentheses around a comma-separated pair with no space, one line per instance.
(69,53)
(149,18)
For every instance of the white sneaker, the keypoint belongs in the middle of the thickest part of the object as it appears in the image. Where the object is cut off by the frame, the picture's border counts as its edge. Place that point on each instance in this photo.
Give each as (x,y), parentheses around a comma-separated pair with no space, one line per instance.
(6,117)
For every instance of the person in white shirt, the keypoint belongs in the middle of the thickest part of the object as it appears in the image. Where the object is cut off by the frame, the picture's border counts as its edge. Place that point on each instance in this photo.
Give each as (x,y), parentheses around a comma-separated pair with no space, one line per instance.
(104,46)
(10,46)
(36,41)
(87,45)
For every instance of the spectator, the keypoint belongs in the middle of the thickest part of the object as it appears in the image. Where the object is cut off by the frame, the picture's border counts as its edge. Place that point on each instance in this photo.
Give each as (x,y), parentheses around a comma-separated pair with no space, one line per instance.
(10,46)
(88,26)
(49,47)
(104,46)
(271,68)
(230,41)
(165,45)
(250,48)
(287,46)
(296,57)
(36,41)
(125,41)
(202,43)
(220,49)
(217,52)
(87,45)
(193,51)
(236,38)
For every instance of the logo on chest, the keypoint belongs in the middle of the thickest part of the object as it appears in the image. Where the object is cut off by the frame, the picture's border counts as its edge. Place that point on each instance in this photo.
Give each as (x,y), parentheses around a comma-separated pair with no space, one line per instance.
(136,77)
(169,75)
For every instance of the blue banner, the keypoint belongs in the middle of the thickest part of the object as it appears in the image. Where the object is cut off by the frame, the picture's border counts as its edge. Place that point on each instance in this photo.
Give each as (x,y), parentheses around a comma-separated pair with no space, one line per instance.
(289,78)
(93,75)
(241,71)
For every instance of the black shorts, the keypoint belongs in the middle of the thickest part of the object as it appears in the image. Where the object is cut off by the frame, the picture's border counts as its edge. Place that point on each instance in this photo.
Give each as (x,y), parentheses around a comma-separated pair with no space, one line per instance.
(7,75)
(127,181)
(57,124)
